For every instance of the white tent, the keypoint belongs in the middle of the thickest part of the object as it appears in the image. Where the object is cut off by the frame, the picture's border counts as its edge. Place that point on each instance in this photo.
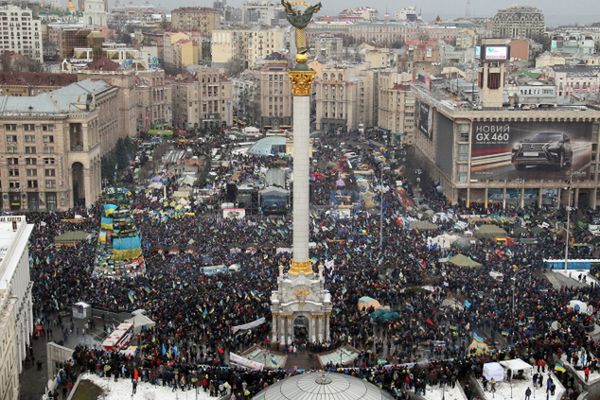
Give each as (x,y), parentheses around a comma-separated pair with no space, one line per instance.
(493,370)
(516,365)
(140,321)
(579,306)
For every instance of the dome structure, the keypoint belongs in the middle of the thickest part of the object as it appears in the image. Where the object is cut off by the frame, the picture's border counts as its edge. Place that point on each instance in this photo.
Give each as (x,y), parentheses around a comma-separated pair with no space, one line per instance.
(268,146)
(323,386)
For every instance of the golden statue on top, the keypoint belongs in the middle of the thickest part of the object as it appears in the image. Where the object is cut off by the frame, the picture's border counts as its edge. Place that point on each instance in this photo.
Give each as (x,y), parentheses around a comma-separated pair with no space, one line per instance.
(299,20)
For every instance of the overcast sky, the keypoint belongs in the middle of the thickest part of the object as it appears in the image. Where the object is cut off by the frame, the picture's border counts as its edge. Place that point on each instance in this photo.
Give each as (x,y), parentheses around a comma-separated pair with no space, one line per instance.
(556,11)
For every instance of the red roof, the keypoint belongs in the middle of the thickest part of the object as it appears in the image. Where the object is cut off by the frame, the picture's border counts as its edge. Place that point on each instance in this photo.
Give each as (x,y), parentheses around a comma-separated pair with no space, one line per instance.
(36,79)
(103,64)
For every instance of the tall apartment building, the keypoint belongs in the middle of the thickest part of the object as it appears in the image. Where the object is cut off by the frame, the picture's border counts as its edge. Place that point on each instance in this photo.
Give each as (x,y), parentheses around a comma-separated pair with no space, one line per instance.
(200,19)
(126,112)
(262,13)
(63,38)
(9,375)
(345,98)
(52,144)
(180,49)
(396,106)
(154,99)
(203,99)
(518,23)
(274,102)
(20,32)
(249,46)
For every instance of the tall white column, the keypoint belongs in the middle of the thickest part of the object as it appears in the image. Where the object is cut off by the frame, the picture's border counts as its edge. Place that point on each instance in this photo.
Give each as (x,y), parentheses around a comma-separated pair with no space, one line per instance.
(301,171)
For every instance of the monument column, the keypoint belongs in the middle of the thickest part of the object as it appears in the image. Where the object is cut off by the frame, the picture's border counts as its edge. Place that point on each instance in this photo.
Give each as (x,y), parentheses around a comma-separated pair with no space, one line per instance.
(274,327)
(327,339)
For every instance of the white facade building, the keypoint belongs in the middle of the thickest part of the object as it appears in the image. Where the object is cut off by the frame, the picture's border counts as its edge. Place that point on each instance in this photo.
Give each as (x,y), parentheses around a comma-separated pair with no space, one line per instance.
(14,278)
(20,32)
(9,377)
(94,14)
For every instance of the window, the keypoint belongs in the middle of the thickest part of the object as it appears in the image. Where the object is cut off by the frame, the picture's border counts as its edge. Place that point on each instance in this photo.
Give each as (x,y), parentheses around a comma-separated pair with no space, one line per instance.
(29,149)
(50,184)
(11,139)
(29,127)
(31,172)
(49,161)
(13,172)
(48,139)
(29,138)
(14,185)
(10,127)
(50,172)
(13,161)
(48,127)
(48,149)
(32,184)
(30,161)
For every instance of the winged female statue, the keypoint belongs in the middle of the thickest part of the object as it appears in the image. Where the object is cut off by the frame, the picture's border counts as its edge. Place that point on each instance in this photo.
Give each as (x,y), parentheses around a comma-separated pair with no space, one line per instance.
(300,20)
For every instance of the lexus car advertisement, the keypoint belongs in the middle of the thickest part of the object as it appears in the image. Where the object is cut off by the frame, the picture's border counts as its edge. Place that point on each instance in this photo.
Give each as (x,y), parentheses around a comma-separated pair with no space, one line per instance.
(532,150)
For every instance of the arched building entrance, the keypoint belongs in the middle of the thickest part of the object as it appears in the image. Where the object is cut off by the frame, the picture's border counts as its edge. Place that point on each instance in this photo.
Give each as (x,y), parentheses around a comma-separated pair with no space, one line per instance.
(78,184)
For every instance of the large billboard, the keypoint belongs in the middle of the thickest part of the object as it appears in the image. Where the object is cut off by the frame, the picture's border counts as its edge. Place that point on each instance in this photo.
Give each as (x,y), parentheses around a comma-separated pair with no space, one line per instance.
(531,150)
(444,133)
(425,119)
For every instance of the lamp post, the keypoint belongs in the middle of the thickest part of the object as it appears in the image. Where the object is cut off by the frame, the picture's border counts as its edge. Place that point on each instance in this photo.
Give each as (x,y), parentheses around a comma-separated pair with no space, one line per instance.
(567,228)
(512,329)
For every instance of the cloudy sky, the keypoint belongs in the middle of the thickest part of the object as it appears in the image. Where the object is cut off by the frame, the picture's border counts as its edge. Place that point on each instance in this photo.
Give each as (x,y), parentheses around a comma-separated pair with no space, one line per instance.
(556,11)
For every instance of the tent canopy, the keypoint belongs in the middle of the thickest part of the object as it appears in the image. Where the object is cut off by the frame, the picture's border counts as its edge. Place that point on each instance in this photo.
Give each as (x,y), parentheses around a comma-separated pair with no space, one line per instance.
(422,226)
(365,302)
(71,237)
(490,232)
(140,321)
(493,370)
(516,365)
(579,306)
(461,260)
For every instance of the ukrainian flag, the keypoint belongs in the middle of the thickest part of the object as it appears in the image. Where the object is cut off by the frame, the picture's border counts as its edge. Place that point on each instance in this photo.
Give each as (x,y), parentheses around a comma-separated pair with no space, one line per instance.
(559,367)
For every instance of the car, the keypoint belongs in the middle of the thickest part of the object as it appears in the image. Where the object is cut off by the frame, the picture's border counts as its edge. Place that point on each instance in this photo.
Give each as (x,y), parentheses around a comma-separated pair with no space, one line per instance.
(544,148)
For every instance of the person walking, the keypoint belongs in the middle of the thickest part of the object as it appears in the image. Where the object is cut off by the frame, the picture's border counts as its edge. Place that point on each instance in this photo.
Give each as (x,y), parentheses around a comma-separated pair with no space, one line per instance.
(528,393)
(586,372)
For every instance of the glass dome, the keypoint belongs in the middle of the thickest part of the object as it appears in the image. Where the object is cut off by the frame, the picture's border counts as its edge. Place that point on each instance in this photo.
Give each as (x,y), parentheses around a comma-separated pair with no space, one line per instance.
(323,386)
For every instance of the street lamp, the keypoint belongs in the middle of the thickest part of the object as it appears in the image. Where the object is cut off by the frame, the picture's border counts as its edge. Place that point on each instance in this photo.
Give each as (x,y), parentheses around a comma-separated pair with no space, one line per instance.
(567,230)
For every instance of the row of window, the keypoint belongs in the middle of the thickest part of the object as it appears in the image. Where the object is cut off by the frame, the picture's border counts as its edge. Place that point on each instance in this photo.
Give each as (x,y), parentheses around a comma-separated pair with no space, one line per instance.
(29,127)
(33,184)
(31,161)
(14,172)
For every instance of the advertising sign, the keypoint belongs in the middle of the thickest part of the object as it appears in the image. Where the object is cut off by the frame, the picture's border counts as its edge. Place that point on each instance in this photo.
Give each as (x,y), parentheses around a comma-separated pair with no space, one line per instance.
(425,120)
(496,53)
(531,150)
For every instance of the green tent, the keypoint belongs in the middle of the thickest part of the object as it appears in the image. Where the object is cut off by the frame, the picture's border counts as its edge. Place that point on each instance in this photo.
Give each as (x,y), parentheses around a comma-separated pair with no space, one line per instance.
(461,260)
(71,238)
(490,232)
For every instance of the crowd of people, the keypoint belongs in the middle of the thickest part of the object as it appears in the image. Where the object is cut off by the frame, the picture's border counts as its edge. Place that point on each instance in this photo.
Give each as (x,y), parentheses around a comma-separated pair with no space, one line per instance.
(437,301)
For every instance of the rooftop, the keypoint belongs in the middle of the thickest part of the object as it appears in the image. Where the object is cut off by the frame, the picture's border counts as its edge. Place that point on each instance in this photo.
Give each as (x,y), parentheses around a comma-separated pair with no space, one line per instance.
(64,100)
(14,235)
(36,79)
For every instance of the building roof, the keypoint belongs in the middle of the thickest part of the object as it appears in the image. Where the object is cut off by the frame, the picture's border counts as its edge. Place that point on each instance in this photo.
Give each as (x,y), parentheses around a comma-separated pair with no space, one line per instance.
(13,241)
(577,70)
(60,101)
(103,64)
(264,147)
(36,79)
(323,386)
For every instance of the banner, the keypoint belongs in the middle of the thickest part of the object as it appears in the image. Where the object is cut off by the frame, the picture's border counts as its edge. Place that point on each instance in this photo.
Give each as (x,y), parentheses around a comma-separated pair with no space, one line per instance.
(531,150)
(425,119)
(249,325)
(234,213)
(245,362)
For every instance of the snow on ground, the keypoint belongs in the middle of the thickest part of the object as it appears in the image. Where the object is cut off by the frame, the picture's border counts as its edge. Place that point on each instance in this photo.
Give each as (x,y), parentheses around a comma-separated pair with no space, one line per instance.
(574,274)
(594,376)
(121,390)
(447,393)
(503,390)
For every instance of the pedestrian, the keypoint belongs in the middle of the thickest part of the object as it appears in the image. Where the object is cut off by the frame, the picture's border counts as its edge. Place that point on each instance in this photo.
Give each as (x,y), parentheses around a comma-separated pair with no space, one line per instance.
(586,372)
(134,382)
(493,385)
(528,393)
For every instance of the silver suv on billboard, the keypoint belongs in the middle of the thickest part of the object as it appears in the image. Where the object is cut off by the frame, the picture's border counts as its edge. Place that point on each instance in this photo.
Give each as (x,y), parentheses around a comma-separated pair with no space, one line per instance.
(545,148)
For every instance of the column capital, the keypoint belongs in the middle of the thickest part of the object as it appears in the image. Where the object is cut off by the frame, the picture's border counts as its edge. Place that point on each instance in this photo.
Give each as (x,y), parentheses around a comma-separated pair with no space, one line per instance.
(301,81)
(300,267)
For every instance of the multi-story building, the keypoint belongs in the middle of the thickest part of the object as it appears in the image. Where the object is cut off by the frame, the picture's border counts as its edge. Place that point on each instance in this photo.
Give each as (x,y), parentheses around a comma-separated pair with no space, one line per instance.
(203,99)
(15,280)
(274,98)
(248,46)
(328,47)
(52,145)
(32,83)
(407,14)
(262,13)
(123,79)
(396,106)
(154,99)
(573,43)
(9,375)
(359,13)
(143,16)
(22,33)
(519,23)
(200,19)
(344,98)
(574,79)
(487,152)
(532,93)
(180,49)
(244,98)
(95,14)
(63,38)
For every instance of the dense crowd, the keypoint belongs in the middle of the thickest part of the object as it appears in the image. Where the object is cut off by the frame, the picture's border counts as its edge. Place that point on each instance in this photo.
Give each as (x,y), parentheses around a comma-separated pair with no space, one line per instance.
(194,312)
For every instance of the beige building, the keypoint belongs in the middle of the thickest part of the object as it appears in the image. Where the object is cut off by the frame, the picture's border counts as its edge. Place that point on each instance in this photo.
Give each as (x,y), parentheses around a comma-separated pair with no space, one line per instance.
(248,46)
(199,19)
(25,32)
(274,96)
(519,22)
(396,105)
(202,100)
(32,83)
(126,112)
(345,98)
(52,145)
(180,49)
(9,376)
(154,99)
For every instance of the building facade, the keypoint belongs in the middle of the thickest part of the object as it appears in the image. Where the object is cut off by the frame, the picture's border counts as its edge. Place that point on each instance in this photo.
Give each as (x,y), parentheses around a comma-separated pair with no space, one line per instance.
(32,83)
(262,13)
(15,279)
(200,19)
(248,46)
(202,100)
(9,375)
(396,106)
(95,14)
(274,102)
(52,146)
(573,43)
(519,23)
(154,100)
(21,32)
